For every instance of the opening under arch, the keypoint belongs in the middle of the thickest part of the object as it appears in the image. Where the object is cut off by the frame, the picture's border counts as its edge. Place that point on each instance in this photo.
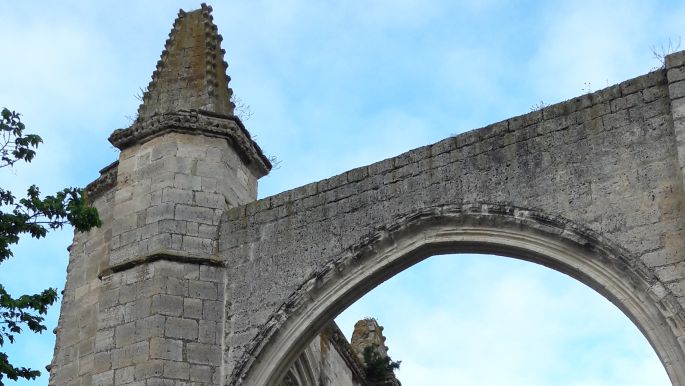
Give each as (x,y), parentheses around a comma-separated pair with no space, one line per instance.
(472,319)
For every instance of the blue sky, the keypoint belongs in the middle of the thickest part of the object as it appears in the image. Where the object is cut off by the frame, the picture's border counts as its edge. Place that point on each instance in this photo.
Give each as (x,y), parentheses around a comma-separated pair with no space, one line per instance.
(336,85)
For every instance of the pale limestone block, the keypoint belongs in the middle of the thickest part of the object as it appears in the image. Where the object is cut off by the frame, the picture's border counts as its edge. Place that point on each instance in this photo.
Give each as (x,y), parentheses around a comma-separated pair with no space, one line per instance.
(177,370)
(180,328)
(151,326)
(200,373)
(148,369)
(178,196)
(206,354)
(170,349)
(193,213)
(203,290)
(164,211)
(210,200)
(124,334)
(104,379)
(167,305)
(124,376)
(212,310)
(212,274)
(192,308)
(130,355)
(187,182)
(104,340)
(176,286)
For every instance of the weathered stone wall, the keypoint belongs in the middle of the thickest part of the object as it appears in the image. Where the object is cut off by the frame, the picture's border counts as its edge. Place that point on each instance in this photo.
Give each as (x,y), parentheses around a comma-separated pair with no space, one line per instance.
(170,195)
(160,321)
(606,163)
(328,360)
(72,363)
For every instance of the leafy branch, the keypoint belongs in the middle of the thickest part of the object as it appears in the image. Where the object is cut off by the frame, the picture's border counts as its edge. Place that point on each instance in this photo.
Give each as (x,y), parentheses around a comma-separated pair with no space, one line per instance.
(376,365)
(34,216)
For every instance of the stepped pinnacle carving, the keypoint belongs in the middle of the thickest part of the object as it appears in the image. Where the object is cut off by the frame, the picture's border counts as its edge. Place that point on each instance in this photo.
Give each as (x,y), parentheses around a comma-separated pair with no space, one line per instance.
(191,73)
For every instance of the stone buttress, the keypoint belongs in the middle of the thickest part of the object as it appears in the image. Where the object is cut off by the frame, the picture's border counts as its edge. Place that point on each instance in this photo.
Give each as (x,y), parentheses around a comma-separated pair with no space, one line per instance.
(144,299)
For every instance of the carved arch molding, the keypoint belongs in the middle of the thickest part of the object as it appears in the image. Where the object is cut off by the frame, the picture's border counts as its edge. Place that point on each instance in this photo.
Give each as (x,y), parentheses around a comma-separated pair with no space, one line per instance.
(519,233)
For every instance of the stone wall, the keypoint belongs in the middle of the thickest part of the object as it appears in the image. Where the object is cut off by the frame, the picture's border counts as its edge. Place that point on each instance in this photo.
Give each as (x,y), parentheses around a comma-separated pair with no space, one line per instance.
(606,163)
(73,360)
(328,360)
(171,193)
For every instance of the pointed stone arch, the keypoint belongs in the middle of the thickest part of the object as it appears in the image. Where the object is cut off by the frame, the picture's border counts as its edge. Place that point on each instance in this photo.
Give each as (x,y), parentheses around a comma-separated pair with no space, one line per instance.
(519,233)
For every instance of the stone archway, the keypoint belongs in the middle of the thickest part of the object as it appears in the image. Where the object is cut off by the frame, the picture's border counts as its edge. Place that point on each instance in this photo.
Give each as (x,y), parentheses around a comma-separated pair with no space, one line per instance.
(514,232)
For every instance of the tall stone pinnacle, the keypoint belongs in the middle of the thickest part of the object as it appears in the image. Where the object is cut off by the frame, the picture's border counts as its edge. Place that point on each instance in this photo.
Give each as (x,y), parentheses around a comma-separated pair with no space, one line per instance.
(191,73)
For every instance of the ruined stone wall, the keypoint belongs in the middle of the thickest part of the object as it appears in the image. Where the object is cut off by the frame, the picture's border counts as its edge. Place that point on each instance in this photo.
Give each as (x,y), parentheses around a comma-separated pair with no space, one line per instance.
(606,163)
(73,360)
(328,360)
(171,193)
(145,293)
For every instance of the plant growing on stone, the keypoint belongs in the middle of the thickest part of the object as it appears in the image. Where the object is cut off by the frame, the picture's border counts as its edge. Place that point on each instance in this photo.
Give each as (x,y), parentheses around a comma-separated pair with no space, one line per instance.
(661,52)
(377,366)
(34,216)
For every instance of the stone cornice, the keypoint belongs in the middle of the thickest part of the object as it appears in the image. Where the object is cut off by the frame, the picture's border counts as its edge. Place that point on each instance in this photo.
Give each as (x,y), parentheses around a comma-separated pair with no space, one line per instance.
(167,255)
(196,122)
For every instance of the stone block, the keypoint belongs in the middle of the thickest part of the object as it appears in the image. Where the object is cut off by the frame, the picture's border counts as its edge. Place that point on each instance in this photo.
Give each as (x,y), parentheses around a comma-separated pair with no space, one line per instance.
(187,182)
(164,304)
(212,310)
(206,354)
(178,196)
(124,376)
(130,355)
(176,286)
(103,379)
(102,361)
(192,308)
(676,90)
(193,228)
(208,332)
(148,369)
(193,213)
(164,211)
(177,370)
(159,242)
(152,326)
(104,340)
(199,373)
(170,349)
(209,184)
(203,290)
(125,334)
(180,328)
(197,245)
(164,148)
(210,200)
(210,169)
(212,273)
